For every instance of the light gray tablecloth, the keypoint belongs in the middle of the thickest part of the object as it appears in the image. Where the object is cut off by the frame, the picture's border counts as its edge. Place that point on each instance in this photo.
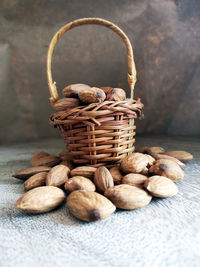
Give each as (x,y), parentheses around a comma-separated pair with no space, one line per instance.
(165,233)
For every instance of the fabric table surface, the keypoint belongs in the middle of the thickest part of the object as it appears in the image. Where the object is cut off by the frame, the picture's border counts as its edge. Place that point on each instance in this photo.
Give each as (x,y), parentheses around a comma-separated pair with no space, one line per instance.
(165,233)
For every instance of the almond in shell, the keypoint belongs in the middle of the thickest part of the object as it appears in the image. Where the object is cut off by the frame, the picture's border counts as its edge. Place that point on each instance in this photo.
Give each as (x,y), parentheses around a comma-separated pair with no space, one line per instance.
(160,186)
(25,174)
(145,171)
(66,103)
(142,149)
(116,174)
(72,90)
(155,149)
(35,159)
(167,168)
(36,180)
(151,160)
(106,89)
(128,197)
(79,183)
(180,155)
(65,155)
(163,156)
(103,179)
(49,160)
(67,163)
(116,94)
(89,206)
(149,150)
(85,171)
(92,95)
(134,163)
(134,179)
(58,175)
(41,199)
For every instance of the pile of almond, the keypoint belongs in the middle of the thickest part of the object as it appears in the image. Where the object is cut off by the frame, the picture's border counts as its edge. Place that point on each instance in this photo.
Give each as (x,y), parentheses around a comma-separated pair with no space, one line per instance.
(82,94)
(95,193)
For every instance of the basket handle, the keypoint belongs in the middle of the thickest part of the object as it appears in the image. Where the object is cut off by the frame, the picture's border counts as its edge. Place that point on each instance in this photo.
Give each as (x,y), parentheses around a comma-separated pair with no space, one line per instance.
(131,64)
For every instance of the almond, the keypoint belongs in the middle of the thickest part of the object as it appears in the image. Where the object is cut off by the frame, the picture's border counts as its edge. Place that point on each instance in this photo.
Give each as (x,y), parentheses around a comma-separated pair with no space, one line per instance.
(66,103)
(134,179)
(116,94)
(128,197)
(58,175)
(65,155)
(103,179)
(160,186)
(142,149)
(79,183)
(36,158)
(41,199)
(89,206)
(49,160)
(155,149)
(180,155)
(134,163)
(67,163)
(24,174)
(92,95)
(72,90)
(151,160)
(145,171)
(106,89)
(85,171)
(149,150)
(36,180)
(163,156)
(116,174)
(167,168)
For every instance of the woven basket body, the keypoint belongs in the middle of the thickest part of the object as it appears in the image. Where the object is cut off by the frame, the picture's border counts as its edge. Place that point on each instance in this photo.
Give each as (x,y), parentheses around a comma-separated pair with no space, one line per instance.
(100,133)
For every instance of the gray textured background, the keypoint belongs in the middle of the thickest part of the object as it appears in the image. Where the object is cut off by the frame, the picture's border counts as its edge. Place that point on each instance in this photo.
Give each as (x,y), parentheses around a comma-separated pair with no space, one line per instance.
(166,39)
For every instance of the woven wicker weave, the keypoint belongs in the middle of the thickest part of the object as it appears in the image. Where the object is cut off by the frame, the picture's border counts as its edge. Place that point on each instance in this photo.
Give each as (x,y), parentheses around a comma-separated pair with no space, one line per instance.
(100,133)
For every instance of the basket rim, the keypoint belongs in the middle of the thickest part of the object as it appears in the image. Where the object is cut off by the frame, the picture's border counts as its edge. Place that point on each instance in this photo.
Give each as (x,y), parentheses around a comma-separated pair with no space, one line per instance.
(96,111)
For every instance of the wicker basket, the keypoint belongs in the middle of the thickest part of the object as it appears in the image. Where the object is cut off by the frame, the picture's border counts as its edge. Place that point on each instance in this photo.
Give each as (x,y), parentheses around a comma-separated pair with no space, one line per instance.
(101,133)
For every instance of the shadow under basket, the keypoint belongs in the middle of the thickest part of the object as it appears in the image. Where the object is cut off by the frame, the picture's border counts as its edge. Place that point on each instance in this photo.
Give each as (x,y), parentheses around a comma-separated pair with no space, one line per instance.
(99,133)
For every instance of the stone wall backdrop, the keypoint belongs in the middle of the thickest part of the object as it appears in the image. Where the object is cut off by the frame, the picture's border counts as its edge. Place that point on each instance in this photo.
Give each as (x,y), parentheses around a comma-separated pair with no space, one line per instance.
(166,38)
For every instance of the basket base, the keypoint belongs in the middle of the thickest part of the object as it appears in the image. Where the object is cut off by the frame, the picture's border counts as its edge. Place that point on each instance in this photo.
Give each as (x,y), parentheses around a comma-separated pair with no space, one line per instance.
(100,145)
